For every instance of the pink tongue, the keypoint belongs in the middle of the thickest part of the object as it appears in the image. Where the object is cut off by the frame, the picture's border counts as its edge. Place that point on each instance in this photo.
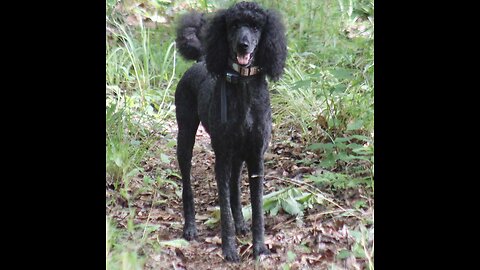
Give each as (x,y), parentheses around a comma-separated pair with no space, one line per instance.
(243,59)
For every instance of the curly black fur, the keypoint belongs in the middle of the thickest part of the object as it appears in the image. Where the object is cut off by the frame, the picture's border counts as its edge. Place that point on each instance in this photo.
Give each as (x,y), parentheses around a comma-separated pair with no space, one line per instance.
(244,32)
(188,36)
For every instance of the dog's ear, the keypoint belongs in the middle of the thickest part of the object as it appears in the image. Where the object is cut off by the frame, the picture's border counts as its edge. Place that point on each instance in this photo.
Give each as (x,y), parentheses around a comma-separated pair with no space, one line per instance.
(272,51)
(216,44)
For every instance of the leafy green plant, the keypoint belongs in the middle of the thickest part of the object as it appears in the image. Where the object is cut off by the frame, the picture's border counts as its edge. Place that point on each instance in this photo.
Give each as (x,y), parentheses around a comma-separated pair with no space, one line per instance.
(346,149)
(328,81)
(123,152)
(141,71)
(362,247)
(291,200)
(338,180)
(121,254)
(143,67)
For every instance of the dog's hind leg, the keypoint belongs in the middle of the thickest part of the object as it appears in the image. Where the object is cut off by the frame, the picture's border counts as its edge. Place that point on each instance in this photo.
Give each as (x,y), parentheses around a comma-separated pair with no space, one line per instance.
(235,193)
(187,128)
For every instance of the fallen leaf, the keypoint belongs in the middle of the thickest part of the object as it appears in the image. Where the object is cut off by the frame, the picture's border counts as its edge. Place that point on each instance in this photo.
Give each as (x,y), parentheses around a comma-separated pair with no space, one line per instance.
(214,240)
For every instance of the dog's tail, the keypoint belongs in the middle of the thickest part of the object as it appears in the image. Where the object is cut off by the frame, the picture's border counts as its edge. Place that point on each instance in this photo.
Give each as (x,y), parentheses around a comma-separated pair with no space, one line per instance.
(189,41)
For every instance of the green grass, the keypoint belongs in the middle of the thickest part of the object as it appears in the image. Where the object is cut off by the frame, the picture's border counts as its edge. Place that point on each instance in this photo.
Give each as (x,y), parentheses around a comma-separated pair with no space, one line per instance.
(144,67)
(141,71)
(328,82)
(124,246)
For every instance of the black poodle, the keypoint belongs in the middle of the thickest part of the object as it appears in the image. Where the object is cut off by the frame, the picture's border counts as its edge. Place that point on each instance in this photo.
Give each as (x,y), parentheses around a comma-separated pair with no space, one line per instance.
(227,91)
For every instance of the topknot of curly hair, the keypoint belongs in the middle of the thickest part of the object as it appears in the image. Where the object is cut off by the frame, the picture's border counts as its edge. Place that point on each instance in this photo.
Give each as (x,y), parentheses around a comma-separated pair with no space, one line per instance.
(246,12)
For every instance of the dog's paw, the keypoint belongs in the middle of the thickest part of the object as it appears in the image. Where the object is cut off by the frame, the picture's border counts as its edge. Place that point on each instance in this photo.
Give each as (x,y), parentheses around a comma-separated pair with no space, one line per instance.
(242,229)
(190,233)
(260,250)
(231,255)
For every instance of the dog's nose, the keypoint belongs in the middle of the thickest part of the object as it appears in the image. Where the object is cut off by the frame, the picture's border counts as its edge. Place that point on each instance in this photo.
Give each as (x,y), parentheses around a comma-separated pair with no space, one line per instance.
(243,45)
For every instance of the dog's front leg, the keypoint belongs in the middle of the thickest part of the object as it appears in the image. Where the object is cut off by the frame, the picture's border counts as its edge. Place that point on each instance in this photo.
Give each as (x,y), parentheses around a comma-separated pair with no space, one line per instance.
(241,227)
(222,171)
(255,174)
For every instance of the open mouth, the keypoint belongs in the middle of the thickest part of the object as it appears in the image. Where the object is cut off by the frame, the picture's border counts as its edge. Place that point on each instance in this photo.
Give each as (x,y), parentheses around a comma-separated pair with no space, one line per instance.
(244,59)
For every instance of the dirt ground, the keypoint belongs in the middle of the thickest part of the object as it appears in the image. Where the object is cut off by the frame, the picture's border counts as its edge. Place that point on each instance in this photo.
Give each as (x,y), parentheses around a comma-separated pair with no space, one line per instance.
(314,241)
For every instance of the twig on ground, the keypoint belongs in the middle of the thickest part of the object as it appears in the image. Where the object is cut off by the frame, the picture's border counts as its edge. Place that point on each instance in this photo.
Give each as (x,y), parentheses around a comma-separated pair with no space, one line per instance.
(315,190)
(148,217)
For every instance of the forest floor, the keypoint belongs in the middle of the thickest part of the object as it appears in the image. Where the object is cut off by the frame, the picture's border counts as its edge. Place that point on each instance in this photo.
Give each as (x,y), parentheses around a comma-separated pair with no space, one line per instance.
(336,233)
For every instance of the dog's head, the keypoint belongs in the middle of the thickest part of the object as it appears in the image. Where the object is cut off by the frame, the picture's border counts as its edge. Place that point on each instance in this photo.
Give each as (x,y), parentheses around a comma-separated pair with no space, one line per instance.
(246,34)
(244,23)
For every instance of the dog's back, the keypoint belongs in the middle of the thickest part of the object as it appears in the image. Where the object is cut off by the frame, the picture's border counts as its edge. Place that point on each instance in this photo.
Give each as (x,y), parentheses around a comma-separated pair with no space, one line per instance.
(193,95)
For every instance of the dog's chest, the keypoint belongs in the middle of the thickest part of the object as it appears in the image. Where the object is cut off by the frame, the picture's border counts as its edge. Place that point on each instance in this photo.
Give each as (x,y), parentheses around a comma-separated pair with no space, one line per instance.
(248,119)
(244,134)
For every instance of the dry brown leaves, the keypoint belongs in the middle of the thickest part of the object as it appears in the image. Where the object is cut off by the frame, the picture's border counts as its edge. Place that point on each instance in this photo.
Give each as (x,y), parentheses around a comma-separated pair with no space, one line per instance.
(315,240)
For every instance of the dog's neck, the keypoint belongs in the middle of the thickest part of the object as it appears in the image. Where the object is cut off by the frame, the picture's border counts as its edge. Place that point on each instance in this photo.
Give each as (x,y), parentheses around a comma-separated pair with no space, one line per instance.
(244,71)
(240,87)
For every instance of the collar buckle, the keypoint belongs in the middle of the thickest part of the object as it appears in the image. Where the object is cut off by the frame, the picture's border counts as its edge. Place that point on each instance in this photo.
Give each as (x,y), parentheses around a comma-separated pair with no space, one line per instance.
(231,78)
